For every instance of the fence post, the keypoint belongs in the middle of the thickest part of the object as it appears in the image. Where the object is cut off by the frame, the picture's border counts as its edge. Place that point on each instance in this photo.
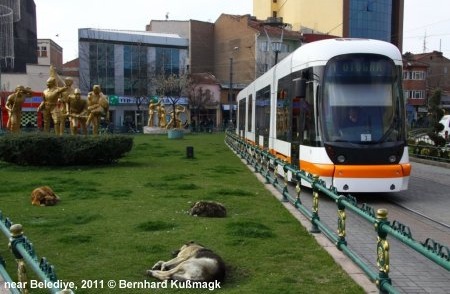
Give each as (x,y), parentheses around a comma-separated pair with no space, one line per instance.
(341,222)
(382,250)
(298,190)
(268,169)
(285,188)
(18,238)
(315,208)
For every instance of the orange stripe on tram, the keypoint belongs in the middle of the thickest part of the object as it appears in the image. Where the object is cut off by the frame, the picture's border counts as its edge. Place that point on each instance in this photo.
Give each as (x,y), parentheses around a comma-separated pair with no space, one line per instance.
(369,171)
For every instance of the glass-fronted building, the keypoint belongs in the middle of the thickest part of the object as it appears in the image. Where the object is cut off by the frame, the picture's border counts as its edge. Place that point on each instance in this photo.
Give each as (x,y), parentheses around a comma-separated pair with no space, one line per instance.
(374,19)
(370,19)
(123,63)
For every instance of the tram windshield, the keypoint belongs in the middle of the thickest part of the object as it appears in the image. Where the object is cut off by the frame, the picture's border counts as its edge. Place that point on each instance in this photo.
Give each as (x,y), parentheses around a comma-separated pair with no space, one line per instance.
(362,100)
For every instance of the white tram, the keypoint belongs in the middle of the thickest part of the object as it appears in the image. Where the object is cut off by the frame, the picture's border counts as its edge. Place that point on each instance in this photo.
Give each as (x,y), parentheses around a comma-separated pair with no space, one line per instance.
(301,111)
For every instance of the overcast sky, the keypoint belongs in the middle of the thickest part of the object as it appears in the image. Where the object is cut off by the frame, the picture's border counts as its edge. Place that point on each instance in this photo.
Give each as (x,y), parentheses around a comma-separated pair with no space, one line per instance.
(426,23)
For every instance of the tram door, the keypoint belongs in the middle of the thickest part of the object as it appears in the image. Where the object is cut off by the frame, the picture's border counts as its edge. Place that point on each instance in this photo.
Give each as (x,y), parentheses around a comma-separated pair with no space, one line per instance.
(297,118)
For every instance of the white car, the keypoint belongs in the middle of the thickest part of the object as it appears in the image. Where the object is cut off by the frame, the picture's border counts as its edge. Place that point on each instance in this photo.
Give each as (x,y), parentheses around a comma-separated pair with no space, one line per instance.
(445,120)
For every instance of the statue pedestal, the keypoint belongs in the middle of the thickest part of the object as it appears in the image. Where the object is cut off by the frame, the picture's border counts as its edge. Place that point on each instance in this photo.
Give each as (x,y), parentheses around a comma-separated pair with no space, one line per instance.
(154,130)
(175,134)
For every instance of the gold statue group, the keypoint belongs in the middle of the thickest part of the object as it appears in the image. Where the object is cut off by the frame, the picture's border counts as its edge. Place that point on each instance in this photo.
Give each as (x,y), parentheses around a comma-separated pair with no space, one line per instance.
(157,109)
(59,103)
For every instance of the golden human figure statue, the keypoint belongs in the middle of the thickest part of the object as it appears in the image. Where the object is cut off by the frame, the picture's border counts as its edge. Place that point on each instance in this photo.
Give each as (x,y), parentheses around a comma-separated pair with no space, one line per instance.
(162,116)
(49,105)
(63,105)
(77,111)
(14,106)
(152,109)
(175,121)
(98,106)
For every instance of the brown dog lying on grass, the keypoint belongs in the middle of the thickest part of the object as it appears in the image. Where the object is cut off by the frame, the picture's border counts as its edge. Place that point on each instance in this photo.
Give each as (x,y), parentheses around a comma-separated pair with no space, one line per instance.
(192,262)
(44,196)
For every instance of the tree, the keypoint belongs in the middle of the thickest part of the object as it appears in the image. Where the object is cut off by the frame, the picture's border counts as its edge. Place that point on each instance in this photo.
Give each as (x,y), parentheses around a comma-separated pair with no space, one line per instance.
(198,100)
(172,87)
(436,114)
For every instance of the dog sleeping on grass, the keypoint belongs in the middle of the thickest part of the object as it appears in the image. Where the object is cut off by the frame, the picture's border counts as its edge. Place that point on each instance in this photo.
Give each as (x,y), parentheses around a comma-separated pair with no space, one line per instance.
(192,262)
(44,196)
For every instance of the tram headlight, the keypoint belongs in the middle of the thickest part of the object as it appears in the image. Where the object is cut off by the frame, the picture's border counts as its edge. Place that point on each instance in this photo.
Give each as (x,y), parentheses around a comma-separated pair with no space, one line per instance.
(392,158)
(341,158)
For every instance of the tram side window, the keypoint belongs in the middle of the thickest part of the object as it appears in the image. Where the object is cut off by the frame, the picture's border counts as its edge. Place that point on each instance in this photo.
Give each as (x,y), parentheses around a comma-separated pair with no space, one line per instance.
(262,112)
(308,133)
(284,110)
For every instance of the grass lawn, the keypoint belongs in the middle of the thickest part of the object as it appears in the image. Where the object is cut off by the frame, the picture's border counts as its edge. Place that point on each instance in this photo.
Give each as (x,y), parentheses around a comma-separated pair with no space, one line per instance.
(114,222)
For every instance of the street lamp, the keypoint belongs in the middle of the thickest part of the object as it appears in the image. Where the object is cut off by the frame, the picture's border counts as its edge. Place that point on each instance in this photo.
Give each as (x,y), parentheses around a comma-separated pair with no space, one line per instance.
(230,89)
(276,47)
(275,22)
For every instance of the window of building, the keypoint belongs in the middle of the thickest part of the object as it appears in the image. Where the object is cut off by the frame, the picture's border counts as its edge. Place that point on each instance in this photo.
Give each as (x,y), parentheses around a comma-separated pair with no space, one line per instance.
(406,75)
(168,60)
(418,75)
(416,94)
(101,65)
(264,46)
(135,70)
(42,51)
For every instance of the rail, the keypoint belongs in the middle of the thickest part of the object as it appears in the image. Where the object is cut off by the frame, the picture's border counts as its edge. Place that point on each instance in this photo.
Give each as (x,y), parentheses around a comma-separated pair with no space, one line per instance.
(269,166)
(25,255)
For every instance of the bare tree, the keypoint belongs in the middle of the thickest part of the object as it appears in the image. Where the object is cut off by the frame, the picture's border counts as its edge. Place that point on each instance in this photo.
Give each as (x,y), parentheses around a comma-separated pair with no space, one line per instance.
(199,99)
(172,87)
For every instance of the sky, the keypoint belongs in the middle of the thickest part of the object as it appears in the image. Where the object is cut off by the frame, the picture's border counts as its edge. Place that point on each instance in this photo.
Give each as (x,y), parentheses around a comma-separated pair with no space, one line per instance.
(426,23)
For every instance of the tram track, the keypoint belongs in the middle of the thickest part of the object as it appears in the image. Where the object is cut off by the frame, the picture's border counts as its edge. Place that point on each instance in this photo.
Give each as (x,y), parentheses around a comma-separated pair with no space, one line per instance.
(420,214)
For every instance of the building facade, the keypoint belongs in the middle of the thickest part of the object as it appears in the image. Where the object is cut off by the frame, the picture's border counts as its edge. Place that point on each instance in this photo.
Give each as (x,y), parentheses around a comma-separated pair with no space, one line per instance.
(200,36)
(381,19)
(23,38)
(49,53)
(124,63)
(244,50)
(415,88)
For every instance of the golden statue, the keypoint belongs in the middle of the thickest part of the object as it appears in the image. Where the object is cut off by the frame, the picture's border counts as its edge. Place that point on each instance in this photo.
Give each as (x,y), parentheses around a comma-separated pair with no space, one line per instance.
(63,106)
(175,121)
(49,105)
(162,116)
(98,106)
(14,106)
(152,109)
(77,109)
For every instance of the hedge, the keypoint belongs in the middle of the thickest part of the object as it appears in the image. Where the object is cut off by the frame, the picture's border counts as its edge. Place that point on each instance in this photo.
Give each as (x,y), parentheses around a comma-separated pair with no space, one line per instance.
(41,149)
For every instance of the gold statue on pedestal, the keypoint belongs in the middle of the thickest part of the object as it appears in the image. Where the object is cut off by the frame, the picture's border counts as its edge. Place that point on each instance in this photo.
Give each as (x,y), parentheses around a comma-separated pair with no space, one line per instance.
(98,106)
(175,121)
(152,110)
(14,104)
(51,106)
(162,116)
(63,102)
(77,109)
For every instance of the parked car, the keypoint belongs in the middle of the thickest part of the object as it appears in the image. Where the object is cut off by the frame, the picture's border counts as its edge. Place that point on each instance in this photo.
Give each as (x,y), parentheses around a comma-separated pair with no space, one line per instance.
(445,120)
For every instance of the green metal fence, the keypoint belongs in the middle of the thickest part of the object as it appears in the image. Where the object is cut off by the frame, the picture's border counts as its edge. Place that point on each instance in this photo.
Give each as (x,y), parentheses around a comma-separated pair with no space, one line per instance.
(26,257)
(269,166)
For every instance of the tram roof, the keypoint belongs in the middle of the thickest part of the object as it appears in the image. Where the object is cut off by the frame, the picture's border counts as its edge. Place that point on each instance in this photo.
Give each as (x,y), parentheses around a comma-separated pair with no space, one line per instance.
(319,52)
